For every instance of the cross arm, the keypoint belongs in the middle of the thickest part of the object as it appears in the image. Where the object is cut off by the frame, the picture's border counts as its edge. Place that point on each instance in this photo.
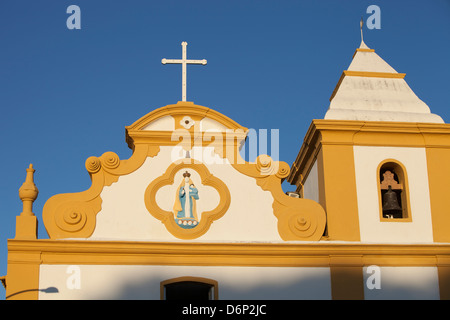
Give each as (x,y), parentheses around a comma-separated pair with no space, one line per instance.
(203,62)
(164,61)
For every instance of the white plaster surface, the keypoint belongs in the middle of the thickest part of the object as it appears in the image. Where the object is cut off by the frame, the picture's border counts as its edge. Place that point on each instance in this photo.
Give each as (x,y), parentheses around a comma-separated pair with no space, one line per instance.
(124,215)
(377,98)
(401,283)
(311,185)
(143,282)
(419,230)
(166,123)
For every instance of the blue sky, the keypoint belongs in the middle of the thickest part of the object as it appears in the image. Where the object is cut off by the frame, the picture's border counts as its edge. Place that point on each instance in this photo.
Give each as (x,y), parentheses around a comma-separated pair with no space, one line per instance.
(66,95)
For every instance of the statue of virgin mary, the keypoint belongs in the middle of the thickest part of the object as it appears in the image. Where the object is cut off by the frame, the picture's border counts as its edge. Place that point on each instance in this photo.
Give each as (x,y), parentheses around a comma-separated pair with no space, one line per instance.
(185,208)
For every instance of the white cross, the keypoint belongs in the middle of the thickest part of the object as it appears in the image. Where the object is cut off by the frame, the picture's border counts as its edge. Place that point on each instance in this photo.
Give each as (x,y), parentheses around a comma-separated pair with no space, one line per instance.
(183,61)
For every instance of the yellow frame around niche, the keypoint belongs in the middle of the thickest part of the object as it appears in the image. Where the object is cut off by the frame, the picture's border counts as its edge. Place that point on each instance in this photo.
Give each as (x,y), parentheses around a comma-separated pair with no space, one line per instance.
(403,177)
(167,217)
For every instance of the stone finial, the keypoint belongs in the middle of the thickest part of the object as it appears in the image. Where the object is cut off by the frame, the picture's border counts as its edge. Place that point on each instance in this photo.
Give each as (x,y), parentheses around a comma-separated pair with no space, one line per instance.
(28,192)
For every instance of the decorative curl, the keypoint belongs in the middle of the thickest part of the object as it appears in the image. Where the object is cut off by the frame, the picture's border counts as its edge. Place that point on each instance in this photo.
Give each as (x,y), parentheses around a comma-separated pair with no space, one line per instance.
(265,165)
(303,226)
(297,223)
(93,164)
(110,160)
(72,217)
(283,170)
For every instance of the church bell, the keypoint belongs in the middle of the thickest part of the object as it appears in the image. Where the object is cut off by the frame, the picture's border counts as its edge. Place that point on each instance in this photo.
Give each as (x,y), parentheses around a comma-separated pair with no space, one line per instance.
(390,202)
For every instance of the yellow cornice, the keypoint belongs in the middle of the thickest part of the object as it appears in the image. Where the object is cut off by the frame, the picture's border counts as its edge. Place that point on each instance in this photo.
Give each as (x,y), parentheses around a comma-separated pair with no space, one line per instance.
(177,111)
(365,50)
(373,74)
(225,254)
(185,138)
(362,50)
(367,133)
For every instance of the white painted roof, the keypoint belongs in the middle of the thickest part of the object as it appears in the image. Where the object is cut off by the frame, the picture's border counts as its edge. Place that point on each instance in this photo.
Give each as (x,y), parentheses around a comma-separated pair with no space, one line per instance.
(371,90)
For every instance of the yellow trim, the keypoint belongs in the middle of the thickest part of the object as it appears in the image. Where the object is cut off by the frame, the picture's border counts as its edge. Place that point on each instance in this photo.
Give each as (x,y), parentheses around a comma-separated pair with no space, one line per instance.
(370,74)
(22,280)
(373,74)
(85,252)
(362,50)
(167,217)
(344,259)
(379,133)
(135,134)
(339,184)
(365,50)
(403,177)
(181,109)
(439,184)
(213,283)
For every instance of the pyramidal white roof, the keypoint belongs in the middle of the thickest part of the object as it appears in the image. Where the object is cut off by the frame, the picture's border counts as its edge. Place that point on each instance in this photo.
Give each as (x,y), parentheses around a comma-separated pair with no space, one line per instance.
(371,90)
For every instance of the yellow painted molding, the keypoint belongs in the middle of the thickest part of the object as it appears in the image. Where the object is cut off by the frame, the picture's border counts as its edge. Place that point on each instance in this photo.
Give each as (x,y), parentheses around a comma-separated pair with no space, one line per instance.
(135,134)
(167,217)
(375,133)
(369,74)
(22,280)
(365,50)
(439,184)
(183,108)
(362,50)
(324,254)
(73,215)
(373,74)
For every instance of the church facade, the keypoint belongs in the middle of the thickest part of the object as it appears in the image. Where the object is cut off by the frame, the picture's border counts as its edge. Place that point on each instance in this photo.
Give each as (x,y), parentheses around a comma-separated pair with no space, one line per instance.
(187,217)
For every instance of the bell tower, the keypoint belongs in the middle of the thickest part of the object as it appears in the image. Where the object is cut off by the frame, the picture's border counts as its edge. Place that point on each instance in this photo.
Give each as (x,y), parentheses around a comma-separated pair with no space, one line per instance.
(373,161)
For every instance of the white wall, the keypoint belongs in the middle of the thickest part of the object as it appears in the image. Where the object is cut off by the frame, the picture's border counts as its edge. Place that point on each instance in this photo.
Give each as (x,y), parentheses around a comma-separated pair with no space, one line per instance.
(311,185)
(372,229)
(124,215)
(143,282)
(402,283)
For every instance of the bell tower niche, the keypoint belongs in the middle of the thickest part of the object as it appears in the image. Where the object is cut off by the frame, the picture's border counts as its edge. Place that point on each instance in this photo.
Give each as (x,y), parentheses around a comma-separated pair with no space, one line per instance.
(392,191)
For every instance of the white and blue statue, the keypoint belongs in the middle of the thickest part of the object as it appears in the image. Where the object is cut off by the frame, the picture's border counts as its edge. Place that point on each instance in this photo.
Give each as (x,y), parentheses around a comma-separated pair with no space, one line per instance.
(185,207)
